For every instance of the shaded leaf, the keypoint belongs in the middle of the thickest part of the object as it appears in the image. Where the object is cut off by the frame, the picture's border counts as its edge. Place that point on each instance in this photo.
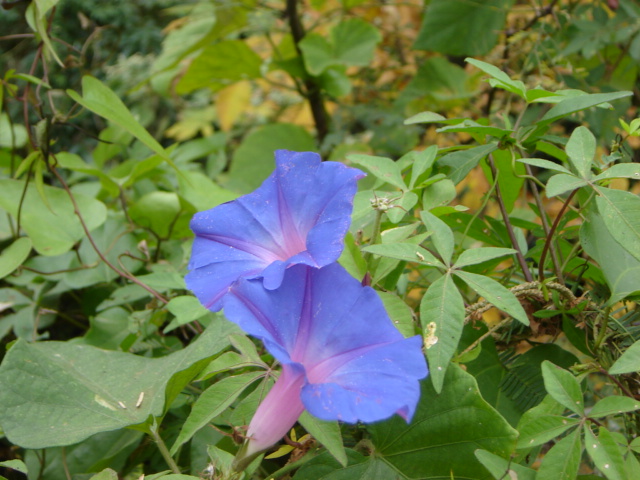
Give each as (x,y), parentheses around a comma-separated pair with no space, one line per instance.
(14,255)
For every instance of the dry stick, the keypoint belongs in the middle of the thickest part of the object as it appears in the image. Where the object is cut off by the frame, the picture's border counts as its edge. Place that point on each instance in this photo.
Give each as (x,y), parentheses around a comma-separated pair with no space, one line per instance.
(313,94)
(547,243)
(95,247)
(505,216)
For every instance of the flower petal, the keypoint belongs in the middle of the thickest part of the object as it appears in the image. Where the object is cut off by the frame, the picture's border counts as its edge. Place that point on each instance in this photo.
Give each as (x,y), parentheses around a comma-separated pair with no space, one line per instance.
(357,365)
(300,214)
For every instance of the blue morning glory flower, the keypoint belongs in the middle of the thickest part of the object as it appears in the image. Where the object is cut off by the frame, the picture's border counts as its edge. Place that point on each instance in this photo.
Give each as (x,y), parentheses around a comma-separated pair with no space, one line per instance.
(299,215)
(342,358)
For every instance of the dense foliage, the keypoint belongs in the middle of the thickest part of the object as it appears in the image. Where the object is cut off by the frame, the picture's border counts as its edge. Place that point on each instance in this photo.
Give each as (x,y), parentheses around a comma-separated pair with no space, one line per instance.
(499,220)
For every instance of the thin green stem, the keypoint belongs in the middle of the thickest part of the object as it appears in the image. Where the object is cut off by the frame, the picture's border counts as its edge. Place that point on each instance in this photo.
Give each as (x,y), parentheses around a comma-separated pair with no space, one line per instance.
(603,323)
(164,451)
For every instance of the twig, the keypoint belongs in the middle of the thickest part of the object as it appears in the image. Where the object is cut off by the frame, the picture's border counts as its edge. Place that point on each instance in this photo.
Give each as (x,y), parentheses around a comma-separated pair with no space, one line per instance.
(549,240)
(312,89)
(505,216)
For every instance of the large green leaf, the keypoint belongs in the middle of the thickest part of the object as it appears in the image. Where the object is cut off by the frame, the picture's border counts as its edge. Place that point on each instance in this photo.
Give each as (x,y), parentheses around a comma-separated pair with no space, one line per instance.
(54,231)
(253,160)
(442,304)
(620,269)
(605,453)
(444,433)
(620,211)
(102,101)
(219,65)
(459,27)
(63,393)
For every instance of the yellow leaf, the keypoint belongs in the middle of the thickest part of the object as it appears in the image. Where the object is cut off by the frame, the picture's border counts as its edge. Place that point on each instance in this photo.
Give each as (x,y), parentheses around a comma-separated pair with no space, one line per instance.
(231,102)
(281,452)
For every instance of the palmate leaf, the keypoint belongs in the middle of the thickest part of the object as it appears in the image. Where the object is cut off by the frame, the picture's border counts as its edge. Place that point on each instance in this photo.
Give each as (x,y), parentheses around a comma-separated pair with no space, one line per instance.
(63,393)
(446,430)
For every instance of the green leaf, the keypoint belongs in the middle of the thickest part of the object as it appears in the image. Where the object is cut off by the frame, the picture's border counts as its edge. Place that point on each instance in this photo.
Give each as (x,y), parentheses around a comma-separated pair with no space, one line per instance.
(327,433)
(383,168)
(621,270)
(462,162)
(52,233)
(102,101)
(352,43)
(581,149)
(500,79)
(457,27)
(563,183)
(442,236)
(501,468)
(253,160)
(162,213)
(212,402)
(563,460)
(605,453)
(400,313)
(220,65)
(613,405)
(445,431)
(621,170)
(495,293)
(563,387)
(542,429)
(428,117)
(63,393)
(14,255)
(36,18)
(620,211)
(443,306)
(628,362)
(106,474)
(546,164)
(405,251)
(422,161)
(201,192)
(17,465)
(474,256)
(185,308)
(575,104)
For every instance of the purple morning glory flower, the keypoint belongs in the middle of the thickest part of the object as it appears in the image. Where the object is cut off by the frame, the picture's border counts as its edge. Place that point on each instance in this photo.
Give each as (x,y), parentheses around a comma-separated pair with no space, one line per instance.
(342,358)
(299,215)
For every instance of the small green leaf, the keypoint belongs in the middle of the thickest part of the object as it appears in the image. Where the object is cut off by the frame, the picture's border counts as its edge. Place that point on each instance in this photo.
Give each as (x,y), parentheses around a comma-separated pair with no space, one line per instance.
(102,101)
(442,236)
(422,161)
(400,313)
(613,405)
(581,149)
(620,211)
(383,168)
(621,170)
(501,468)
(563,183)
(495,293)
(605,453)
(546,164)
(106,474)
(501,79)
(463,161)
(17,465)
(628,362)
(474,256)
(542,429)
(563,387)
(185,308)
(405,251)
(441,305)
(14,255)
(428,117)
(327,433)
(575,104)
(563,460)
(212,402)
